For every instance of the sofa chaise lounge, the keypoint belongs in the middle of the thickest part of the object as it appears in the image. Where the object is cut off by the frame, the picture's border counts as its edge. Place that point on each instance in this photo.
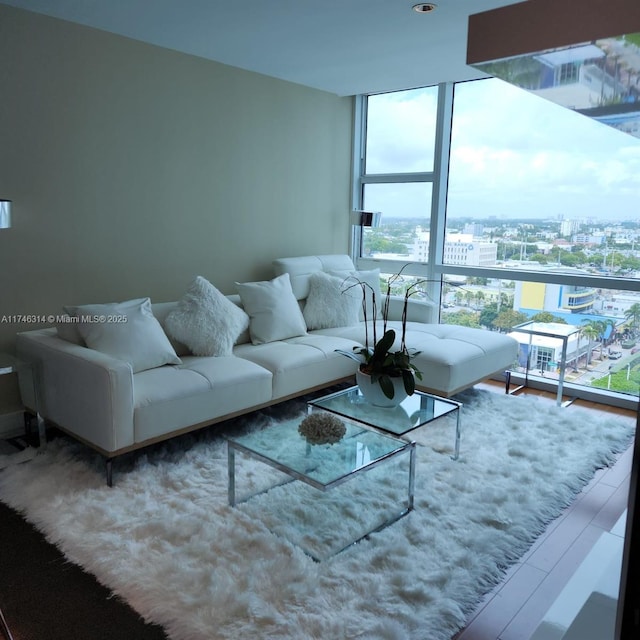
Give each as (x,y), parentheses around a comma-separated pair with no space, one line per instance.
(115,407)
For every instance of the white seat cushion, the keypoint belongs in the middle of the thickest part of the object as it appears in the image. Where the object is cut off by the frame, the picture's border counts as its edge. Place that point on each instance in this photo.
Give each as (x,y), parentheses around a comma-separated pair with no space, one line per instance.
(301,363)
(200,390)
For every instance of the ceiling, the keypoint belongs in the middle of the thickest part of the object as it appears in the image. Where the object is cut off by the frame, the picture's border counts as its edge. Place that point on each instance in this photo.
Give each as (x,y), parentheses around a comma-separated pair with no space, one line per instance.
(341,46)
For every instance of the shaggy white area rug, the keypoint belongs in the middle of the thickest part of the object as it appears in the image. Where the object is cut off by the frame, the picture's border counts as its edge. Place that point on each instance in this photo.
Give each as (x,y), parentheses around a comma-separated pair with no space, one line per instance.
(165,540)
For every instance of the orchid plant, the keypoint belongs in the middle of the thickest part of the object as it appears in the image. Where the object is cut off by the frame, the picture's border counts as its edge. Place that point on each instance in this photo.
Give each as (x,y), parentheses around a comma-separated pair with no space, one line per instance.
(377,359)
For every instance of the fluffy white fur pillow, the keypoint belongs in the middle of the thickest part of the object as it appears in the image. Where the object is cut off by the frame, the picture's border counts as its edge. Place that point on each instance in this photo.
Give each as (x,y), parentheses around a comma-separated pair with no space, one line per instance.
(371,280)
(206,320)
(125,330)
(328,304)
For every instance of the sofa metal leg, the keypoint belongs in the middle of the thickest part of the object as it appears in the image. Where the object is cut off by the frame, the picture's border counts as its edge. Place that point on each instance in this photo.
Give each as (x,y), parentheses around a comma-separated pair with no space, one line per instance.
(109,472)
(28,417)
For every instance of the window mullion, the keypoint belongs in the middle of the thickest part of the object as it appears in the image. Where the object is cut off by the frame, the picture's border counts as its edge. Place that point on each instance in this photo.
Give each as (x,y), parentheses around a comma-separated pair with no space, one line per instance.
(381,178)
(360,134)
(439,194)
(360,129)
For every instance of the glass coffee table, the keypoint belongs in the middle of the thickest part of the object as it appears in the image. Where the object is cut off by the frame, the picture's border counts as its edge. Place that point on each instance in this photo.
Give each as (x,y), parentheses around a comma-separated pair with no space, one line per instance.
(323,466)
(413,412)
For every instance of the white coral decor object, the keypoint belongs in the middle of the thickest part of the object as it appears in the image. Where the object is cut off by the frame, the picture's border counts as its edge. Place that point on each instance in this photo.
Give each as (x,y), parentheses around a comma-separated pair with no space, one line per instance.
(322,428)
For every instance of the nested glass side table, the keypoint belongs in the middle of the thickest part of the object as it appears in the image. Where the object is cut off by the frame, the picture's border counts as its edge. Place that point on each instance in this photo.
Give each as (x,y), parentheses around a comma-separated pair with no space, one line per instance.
(414,411)
(11,364)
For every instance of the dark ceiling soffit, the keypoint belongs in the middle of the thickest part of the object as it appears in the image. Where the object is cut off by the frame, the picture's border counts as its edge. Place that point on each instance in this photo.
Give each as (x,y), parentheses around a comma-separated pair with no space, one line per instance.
(536,25)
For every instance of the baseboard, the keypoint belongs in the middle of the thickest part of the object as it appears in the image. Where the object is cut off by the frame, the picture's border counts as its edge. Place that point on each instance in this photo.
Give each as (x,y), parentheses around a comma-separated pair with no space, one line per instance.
(11,424)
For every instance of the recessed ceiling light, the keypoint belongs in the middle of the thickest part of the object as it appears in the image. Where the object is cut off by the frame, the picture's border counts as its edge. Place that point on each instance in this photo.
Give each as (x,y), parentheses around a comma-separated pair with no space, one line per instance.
(424,7)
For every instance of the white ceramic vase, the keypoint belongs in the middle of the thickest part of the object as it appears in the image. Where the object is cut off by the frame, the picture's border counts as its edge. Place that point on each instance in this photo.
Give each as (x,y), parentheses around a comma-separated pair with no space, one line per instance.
(374,394)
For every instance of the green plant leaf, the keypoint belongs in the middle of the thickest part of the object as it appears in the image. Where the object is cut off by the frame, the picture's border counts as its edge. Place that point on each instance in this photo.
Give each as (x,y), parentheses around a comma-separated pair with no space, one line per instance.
(416,372)
(387,386)
(409,381)
(384,344)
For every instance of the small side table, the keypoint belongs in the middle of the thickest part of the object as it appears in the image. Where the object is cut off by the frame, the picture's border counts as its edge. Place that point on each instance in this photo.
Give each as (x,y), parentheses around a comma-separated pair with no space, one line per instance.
(414,411)
(556,333)
(10,364)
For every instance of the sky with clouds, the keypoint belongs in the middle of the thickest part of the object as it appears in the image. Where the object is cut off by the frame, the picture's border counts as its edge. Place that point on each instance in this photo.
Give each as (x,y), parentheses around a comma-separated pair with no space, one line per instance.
(513,154)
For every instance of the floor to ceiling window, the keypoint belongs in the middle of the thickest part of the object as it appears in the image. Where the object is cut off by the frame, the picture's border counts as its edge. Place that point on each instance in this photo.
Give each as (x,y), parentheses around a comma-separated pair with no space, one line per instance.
(398,165)
(512,207)
(547,186)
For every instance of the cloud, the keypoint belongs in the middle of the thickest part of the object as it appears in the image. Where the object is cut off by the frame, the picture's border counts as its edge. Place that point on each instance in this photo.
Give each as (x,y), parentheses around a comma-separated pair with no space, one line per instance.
(401,131)
(512,154)
(509,146)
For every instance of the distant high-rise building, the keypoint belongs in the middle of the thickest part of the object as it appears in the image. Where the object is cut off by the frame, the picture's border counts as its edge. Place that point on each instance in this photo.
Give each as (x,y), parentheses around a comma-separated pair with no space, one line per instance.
(569,227)
(475,229)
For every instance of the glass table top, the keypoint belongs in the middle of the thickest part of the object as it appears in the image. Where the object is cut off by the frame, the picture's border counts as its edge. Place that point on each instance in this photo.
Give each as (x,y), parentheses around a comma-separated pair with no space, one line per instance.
(321,465)
(414,411)
(554,329)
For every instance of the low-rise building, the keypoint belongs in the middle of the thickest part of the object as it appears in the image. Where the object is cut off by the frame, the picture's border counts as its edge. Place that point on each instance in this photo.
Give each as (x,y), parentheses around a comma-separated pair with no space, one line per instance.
(459,249)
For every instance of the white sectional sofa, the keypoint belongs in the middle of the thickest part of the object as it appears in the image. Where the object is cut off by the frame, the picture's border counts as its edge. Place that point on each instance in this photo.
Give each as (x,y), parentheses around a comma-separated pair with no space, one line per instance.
(115,406)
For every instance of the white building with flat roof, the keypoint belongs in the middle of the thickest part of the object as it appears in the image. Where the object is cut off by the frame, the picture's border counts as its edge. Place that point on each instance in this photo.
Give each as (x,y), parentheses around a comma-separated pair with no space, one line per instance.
(543,351)
(459,249)
(618,303)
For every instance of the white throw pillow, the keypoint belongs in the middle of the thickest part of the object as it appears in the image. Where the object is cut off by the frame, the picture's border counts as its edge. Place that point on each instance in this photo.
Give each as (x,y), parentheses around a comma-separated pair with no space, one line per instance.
(328,304)
(371,280)
(127,331)
(206,320)
(67,329)
(274,311)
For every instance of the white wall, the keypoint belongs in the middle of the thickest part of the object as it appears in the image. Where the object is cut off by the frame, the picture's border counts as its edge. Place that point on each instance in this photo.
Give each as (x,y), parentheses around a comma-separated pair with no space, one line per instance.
(134,168)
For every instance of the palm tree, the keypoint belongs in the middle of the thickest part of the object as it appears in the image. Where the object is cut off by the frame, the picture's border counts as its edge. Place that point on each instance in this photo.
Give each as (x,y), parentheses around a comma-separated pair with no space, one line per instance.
(592,331)
(595,330)
(633,314)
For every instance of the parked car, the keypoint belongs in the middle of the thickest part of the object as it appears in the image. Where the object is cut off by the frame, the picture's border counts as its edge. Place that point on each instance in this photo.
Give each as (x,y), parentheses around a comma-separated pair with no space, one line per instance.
(614,355)
(627,344)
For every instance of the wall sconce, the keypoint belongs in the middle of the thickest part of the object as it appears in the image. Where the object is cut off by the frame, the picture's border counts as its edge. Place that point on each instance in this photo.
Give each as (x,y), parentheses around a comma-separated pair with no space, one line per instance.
(370,218)
(5,214)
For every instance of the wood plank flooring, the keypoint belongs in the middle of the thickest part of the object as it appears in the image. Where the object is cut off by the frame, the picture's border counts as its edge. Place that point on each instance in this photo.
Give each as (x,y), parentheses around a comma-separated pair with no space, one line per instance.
(514,609)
